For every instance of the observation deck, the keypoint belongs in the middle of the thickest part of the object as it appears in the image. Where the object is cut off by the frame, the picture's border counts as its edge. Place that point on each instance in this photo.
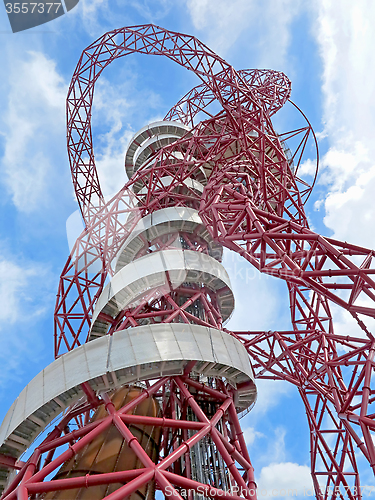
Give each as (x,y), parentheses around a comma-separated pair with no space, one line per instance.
(170,284)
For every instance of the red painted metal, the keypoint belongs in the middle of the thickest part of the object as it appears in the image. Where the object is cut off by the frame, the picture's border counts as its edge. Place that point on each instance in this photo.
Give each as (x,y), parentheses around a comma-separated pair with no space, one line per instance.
(253,204)
(10,462)
(32,477)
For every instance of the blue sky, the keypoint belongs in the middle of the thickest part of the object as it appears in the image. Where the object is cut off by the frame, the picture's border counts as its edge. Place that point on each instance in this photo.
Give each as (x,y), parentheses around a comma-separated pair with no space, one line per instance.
(325,49)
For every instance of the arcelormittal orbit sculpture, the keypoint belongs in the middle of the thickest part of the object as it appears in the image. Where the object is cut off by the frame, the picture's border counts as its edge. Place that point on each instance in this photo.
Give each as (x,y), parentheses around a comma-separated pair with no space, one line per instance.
(147,386)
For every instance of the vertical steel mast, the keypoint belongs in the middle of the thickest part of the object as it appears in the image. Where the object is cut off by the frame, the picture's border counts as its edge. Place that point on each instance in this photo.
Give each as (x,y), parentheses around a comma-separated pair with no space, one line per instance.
(147,387)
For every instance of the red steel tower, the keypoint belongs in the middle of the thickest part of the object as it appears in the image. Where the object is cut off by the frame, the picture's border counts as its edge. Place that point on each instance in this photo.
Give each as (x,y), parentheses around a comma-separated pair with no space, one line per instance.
(148,386)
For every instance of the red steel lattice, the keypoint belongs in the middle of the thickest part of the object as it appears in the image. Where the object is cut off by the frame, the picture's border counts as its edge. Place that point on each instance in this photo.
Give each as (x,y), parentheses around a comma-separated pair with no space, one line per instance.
(253,204)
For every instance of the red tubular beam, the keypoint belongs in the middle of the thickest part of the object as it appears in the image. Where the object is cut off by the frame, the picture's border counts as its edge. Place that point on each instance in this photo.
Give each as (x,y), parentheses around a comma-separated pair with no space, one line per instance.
(84,481)
(10,491)
(132,442)
(361,445)
(132,486)
(235,453)
(145,394)
(25,474)
(329,452)
(68,454)
(207,490)
(11,462)
(22,493)
(162,422)
(185,446)
(231,465)
(352,393)
(73,435)
(203,388)
(253,204)
(191,401)
(168,490)
(239,433)
(369,443)
(357,419)
(31,466)
(188,464)
(220,412)
(367,382)
(9,496)
(91,396)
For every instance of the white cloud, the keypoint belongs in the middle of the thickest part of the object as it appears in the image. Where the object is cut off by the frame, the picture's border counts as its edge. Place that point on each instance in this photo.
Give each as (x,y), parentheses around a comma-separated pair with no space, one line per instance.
(115,106)
(277,445)
(91,14)
(153,10)
(270,394)
(90,7)
(307,168)
(286,480)
(99,16)
(33,127)
(14,280)
(345,38)
(261,301)
(110,108)
(223,23)
(250,435)
(25,297)
(32,123)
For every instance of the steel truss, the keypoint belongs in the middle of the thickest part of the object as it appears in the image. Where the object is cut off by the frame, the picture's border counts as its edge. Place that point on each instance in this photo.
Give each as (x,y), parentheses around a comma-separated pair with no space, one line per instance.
(253,204)
(183,426)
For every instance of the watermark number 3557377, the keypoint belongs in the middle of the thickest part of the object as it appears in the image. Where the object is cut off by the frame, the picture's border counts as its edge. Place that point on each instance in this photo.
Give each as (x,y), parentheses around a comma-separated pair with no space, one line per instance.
(28,14)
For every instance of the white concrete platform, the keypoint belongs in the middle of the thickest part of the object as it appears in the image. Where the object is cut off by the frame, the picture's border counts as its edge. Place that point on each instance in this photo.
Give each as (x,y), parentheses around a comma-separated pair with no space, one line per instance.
(161,272)
(165,221)
(145,142)
(140,353)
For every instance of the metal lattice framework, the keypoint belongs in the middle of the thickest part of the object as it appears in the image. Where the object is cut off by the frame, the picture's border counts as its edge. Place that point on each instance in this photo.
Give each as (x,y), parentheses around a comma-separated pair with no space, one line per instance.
(252,203)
